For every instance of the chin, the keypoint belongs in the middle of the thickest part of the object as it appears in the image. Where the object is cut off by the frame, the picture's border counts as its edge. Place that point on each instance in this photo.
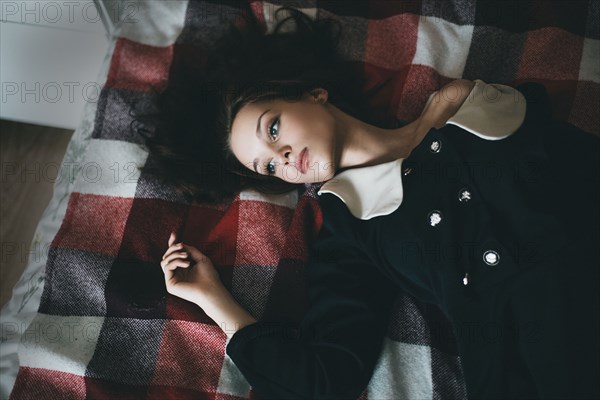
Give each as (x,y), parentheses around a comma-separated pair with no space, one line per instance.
(325,172)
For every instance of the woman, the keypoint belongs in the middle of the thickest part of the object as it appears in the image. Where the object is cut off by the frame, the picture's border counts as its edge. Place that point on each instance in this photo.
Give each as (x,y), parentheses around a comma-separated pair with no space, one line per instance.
(483,206)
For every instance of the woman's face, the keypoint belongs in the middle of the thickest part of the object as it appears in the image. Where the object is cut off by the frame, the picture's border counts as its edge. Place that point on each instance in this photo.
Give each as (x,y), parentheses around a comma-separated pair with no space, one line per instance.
(285,130)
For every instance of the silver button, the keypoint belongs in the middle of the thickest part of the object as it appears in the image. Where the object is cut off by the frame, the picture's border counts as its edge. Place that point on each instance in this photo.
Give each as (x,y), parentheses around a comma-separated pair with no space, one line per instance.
(491,257)
(435,217)
(466,279)
(407,171)
(464,195)
(436,146)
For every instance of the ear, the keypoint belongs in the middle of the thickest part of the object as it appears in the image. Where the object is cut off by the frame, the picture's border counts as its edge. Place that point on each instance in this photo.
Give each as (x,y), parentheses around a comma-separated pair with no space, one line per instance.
(320,95)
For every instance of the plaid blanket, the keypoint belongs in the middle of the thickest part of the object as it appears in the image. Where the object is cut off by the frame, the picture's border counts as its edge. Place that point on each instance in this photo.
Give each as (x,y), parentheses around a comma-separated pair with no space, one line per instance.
(107,329)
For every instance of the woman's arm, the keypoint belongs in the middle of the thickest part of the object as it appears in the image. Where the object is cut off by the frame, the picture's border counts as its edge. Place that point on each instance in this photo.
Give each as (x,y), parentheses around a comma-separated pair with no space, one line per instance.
(332,352)
(222,308)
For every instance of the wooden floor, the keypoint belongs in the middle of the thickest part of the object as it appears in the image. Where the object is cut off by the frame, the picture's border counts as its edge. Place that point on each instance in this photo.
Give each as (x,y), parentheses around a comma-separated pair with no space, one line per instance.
(29,155)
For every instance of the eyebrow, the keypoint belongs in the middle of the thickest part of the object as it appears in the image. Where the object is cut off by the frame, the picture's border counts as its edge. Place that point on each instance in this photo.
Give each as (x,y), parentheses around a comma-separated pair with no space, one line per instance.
(255,161)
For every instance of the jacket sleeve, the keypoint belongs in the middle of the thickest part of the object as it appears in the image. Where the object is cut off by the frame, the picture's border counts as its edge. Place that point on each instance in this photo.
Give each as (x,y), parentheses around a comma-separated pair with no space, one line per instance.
(332,353)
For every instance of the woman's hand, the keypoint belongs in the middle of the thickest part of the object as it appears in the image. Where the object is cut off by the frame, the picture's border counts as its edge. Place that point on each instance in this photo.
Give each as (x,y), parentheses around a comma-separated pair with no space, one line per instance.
(189,274)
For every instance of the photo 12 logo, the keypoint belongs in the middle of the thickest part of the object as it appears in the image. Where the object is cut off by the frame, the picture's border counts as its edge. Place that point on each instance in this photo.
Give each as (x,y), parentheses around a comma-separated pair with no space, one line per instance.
(50,92)
(67,12)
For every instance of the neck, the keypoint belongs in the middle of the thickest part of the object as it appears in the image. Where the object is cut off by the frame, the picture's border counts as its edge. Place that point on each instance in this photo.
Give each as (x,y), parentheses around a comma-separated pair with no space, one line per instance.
(362,144)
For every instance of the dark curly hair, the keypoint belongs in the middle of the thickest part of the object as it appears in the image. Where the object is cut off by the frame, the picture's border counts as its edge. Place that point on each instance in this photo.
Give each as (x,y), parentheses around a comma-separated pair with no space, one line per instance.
(188,137)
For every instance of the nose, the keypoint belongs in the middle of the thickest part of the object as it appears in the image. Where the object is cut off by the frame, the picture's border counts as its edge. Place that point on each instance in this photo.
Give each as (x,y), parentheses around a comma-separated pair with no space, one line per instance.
(283,156)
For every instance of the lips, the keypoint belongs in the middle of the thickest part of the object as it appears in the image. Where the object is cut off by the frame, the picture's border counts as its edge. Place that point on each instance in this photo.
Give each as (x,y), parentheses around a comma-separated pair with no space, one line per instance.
(303,161)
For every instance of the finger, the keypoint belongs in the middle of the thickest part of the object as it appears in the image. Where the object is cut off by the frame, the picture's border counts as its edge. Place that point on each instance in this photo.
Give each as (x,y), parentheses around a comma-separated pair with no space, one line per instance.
(178,260)
(194,253)
(171,257)
(178,263)
(168,274)
(171,238)
(177,252)
(174,264)
(175,247)
(174,256)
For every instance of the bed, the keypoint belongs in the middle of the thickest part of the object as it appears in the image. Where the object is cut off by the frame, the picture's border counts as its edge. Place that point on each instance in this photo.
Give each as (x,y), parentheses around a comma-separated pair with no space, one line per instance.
(90,317)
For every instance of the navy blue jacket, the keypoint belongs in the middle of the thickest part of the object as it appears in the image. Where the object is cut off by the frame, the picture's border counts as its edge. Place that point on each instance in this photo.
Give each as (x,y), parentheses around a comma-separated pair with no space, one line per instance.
(502,235)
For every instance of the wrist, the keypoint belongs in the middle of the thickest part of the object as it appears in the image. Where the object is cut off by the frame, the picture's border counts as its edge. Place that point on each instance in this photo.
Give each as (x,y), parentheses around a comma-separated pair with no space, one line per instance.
(221,307)
(207,296)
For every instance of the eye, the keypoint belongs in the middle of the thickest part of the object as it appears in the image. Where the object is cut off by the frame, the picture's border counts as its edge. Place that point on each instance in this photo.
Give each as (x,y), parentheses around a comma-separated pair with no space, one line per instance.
(271,164)
(271,167)
(274,123)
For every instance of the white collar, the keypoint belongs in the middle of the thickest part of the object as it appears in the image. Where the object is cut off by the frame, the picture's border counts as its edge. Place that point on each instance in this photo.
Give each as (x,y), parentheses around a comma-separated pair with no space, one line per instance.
(491,111)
